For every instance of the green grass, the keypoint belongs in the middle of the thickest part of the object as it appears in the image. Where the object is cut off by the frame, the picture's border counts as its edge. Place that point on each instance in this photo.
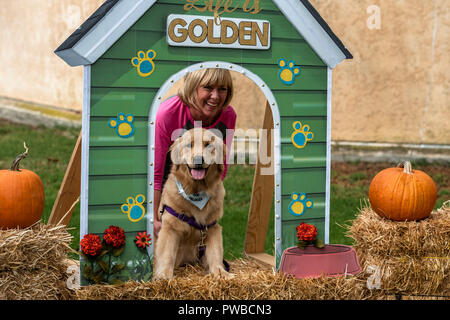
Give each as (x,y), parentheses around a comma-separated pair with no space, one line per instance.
(344,205)
(50,151)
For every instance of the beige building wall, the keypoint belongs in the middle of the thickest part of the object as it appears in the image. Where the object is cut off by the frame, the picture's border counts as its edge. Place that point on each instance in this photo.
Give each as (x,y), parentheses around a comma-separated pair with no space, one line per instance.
(396,89)
(30,31)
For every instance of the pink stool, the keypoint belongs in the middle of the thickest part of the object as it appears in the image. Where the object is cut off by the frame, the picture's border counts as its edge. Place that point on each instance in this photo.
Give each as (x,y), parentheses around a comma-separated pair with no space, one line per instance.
(311,262)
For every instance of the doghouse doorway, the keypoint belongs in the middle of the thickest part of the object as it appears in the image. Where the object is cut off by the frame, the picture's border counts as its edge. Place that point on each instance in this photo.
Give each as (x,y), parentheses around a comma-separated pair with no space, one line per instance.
(265,186)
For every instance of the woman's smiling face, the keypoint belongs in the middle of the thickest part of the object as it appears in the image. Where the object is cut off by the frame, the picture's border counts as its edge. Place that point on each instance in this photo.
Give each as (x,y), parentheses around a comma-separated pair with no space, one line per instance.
(210,100)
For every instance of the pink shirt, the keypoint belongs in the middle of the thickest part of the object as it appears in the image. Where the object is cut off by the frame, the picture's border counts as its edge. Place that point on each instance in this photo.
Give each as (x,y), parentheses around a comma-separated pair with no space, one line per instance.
(173,114)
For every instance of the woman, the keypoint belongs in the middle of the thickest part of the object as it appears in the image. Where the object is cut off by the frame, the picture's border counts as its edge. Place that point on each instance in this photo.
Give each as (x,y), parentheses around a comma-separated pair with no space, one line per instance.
(202,100)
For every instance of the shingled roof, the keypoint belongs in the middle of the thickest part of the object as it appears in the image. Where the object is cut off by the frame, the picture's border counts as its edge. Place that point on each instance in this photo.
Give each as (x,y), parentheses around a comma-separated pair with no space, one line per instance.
(113,18)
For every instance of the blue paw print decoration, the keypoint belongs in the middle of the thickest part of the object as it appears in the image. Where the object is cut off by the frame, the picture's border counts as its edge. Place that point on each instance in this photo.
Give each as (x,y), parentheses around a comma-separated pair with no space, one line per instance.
(144,62)
(134,208)
(301,134)
(123,125)
(299,204)
(288,71)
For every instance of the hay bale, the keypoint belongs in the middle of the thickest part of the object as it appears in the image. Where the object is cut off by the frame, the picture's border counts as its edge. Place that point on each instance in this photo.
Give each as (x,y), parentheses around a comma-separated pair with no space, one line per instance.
(410,257)
(34,285)
(33,262)
(378,236)
(412,276)
(252,281)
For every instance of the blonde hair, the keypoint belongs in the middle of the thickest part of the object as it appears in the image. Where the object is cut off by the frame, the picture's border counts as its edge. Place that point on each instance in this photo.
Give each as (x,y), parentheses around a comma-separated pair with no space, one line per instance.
(205,77)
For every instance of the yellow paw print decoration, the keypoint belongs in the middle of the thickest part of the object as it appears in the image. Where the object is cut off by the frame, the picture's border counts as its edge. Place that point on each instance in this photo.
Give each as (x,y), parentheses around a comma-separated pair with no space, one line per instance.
(299,204)
(144,62)
(288,71)
(123,125)
(301,134)
(134,208)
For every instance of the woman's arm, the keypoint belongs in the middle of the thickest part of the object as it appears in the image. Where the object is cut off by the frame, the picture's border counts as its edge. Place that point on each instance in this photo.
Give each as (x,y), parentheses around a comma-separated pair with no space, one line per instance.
(231,124)
(156,221)
(165,120)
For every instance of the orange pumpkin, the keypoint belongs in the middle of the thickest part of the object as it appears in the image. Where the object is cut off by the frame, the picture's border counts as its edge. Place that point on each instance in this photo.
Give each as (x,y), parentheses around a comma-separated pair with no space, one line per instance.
(402,193)
(21,196)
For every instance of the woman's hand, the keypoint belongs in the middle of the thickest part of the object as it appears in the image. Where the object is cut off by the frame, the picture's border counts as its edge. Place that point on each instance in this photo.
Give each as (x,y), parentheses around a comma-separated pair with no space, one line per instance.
(156,227)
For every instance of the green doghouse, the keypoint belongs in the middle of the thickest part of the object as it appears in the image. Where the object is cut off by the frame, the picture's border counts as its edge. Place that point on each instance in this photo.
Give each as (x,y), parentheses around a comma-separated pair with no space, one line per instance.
(133,51)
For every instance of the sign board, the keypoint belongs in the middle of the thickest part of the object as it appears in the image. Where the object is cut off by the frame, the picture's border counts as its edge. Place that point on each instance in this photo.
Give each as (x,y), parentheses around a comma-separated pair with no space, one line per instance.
(203,31)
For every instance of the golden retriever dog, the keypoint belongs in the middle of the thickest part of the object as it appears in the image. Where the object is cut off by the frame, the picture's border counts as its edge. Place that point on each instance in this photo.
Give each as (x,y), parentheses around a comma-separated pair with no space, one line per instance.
(194,191)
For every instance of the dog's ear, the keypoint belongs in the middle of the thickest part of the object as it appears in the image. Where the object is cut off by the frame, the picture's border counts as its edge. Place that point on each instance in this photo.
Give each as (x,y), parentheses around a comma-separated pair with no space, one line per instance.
(174,154)
(224,157)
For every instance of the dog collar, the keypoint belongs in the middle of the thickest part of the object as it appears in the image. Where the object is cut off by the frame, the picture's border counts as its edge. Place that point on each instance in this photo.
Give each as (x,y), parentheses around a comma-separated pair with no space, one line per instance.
(197,199)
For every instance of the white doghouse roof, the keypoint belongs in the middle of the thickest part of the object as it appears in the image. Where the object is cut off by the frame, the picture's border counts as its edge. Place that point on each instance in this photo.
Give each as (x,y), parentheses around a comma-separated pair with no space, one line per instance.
(114,17)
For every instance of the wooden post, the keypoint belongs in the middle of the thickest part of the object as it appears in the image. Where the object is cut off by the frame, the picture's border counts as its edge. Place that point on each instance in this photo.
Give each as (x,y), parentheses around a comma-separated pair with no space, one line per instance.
(261,201)
(69,192)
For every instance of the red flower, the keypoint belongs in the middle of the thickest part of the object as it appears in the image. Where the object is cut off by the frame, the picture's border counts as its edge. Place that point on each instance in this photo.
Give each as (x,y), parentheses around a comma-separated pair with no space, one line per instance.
(91,245)
(143,240)
(114,237)
(306,232)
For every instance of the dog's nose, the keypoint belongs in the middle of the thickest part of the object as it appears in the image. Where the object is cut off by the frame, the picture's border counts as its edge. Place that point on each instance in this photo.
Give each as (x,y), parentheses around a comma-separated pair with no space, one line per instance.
(198,160)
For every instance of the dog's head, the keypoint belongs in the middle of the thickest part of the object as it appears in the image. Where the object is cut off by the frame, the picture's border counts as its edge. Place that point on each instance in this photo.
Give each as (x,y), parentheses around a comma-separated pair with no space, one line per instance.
(199,154)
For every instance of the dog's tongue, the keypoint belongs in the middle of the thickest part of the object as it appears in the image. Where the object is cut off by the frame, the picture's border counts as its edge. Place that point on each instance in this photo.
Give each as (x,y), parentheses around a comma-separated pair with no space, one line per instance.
(198,174)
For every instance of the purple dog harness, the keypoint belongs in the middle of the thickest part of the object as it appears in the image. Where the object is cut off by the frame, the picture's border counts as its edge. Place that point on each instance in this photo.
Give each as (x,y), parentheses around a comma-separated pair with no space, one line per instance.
(189,220)
(193,223)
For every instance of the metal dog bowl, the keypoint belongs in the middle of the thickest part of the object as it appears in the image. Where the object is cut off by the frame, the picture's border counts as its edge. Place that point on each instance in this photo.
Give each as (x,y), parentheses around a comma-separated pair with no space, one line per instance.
(312,262)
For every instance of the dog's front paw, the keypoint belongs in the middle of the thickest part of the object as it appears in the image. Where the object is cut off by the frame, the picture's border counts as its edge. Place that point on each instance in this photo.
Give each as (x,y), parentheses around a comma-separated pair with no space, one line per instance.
(220,272)
(227,275)
(163,275)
